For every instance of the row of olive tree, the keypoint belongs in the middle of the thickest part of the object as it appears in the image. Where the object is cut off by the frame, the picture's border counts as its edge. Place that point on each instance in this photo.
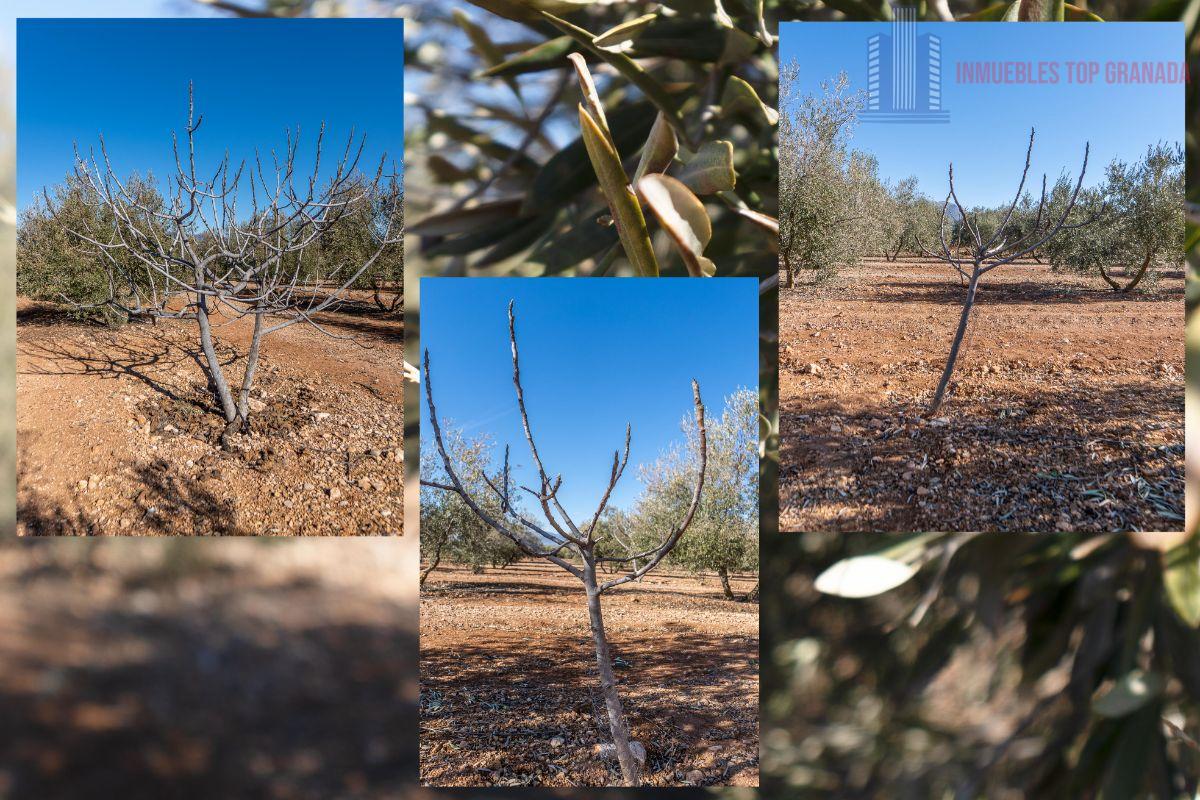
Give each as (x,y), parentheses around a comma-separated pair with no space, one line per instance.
(835,209)
(1143,207)
(450,531)
(722,539)
(56,265)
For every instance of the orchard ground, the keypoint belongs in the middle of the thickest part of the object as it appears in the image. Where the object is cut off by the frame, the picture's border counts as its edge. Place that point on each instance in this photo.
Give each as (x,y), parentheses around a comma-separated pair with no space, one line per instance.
(117,433)
(208,667)
(510,697)
(1066,408)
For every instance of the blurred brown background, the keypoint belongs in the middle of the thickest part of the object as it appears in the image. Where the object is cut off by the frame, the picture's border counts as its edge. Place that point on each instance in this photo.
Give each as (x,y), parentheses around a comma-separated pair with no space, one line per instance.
(207,668)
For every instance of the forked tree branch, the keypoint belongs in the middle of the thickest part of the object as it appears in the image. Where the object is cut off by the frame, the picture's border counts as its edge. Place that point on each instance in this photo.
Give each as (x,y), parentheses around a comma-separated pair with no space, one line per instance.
(565,534)
(456,486)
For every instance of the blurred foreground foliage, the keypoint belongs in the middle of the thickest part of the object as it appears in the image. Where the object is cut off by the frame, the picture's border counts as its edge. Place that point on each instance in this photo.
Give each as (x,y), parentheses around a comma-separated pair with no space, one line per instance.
(504,162)
(994,665)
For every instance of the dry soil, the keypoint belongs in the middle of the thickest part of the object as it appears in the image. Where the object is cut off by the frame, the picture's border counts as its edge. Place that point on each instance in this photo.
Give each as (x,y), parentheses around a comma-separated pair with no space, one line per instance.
(117,433)
(509,693)
(1066,410)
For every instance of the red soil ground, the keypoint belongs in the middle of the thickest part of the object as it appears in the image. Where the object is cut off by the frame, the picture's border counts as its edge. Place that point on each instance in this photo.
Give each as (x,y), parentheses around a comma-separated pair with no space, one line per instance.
(509,693)
(117,433)
(1066,411)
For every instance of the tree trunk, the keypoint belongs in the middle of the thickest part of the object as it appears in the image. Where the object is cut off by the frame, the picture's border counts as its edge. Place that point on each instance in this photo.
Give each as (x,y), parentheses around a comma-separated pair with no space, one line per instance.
(725,587)
(968,304)
(787,270)
(752,595)
(1116,287)
(433,564)
(630,769)
(1131,285)
(251,365)
(215,375)
(377,293)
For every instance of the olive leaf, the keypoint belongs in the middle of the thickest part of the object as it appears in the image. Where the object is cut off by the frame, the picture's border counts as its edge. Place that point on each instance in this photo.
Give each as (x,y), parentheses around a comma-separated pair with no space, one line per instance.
(485,236)
(618,38)
(693,39)
(659,150)
(863,9)
(1181,579)
(1129,693)
(441,122)
(547,55)
(569,172)
(614,183)
(484,45)
(591,97)
(683,217)
(764,221)
(740,97)
(462,220)
(625,65)
(864,576)
(520,236)
(446,171)
(559,249)
(713,9)
(710,170)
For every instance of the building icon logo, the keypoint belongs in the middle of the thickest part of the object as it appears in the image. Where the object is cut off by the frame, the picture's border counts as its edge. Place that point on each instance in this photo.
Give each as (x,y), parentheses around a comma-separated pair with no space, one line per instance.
(904,74)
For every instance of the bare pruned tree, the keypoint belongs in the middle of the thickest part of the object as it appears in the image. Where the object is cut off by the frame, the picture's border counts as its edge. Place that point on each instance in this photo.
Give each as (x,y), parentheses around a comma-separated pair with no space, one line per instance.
(568,545)
(199,255)
(1002,245)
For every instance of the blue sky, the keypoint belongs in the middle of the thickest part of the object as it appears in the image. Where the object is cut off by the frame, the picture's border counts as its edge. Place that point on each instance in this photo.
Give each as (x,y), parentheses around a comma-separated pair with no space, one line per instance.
(15,9)
(128,80)
(595,353)
(989,124)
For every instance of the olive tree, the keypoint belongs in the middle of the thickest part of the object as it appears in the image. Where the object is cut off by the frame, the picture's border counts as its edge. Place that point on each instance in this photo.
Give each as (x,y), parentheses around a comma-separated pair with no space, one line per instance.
(822,190)
(724,534)
(913,218)
(561,541)
(202,253)
(620,533)
(449,529)
(54,265)
(1145,229)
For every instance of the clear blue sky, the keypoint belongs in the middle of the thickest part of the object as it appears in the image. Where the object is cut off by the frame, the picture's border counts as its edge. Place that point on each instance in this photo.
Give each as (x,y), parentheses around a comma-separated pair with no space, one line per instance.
(15,9)
(128,80)
(595,353)
(989,124)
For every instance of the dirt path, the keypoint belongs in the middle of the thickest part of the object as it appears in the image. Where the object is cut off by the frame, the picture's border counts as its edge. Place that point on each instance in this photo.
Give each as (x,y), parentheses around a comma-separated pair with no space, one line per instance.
(508,683)
(1066,411)
(118,435)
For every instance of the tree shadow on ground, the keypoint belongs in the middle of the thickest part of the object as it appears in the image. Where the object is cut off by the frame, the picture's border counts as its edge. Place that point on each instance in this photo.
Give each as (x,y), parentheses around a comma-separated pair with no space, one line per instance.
(496,705)
(51,315)
(41,515)
(178,688)
(928,282)
(1010,463)
(365,325)
(950,292)
(143,356)
(171,503)
(167,502)
(498,588)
